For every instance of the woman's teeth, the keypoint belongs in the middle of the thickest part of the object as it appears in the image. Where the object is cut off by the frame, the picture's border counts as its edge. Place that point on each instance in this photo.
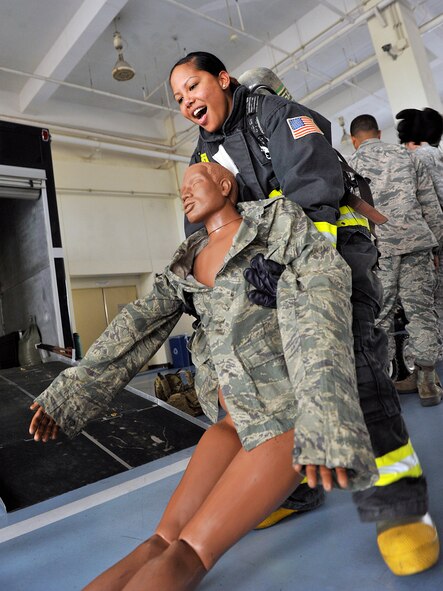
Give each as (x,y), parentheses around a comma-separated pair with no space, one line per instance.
(198,113)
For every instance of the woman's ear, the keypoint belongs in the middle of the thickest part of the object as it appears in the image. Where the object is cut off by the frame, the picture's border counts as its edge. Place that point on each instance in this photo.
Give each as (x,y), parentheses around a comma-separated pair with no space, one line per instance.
(224,79)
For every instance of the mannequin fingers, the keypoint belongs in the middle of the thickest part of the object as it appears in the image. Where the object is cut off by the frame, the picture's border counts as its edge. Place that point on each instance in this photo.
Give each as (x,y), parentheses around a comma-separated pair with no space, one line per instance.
(311,475)
(51,431)
(36,419)
(326,478)
(342,477)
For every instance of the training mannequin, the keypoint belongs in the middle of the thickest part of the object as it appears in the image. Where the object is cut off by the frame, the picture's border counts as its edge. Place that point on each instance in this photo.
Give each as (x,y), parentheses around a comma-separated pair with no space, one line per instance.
(294,409)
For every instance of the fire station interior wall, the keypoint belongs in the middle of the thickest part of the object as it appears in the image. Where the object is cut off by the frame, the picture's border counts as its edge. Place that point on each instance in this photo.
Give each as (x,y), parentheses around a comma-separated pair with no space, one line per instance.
(25,278)
(121,223)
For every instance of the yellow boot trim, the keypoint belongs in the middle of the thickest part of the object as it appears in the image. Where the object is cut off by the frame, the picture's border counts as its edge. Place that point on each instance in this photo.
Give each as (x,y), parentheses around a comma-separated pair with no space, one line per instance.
(409,549)
(275,517)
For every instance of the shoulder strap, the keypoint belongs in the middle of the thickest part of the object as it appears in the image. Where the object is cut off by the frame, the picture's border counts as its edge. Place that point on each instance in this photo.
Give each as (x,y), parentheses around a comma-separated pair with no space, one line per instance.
(353,179)
(253,112)
(363,204)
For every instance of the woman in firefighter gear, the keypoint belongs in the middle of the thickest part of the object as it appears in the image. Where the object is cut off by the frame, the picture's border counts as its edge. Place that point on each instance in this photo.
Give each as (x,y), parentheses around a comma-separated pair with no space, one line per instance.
(284,376)
(276,146)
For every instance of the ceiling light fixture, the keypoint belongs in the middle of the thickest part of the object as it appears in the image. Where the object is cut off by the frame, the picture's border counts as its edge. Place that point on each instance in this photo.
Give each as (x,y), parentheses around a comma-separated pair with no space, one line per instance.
(122,71)
(345,138)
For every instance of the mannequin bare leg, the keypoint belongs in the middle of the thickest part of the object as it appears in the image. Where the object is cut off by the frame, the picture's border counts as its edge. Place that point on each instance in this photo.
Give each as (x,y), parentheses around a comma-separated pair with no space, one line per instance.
(224,513)
(120,573)
(199,478)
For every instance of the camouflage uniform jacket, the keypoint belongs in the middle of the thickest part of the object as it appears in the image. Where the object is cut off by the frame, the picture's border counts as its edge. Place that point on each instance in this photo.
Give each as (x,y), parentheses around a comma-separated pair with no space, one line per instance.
(403,191)
(432,158)
(277,368)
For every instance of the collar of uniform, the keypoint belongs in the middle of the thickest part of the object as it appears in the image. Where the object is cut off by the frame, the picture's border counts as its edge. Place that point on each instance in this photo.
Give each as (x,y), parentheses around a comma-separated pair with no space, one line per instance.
(235,116)
(372,140)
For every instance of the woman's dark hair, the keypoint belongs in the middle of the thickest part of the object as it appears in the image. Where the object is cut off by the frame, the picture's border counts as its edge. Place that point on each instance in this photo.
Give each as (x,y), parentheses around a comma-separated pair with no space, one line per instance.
(207,62)
(420,126)
(202,60)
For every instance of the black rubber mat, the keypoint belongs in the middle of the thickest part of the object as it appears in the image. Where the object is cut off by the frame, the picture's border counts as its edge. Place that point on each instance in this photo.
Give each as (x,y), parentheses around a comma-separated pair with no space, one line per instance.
(133,432)
(32,472)
(142,436)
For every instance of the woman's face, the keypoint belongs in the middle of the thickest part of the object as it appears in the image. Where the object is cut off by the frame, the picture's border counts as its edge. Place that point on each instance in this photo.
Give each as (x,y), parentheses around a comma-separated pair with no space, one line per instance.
(203,98)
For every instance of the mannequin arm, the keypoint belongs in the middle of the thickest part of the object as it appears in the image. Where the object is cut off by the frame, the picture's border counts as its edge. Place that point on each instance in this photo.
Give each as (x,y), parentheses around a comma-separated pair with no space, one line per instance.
(82,393)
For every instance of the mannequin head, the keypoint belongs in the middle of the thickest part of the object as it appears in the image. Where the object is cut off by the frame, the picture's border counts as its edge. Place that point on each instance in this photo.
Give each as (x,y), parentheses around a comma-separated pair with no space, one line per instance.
(364,127)
(208,191)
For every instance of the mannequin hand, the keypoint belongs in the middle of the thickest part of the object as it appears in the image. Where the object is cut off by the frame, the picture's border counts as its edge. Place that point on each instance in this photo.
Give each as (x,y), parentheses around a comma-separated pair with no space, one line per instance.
(325,476)
(42,426)
(263,274)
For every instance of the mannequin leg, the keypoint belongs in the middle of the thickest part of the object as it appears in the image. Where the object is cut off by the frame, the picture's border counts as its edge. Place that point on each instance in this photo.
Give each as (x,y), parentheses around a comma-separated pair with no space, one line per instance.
(213,454)
(116,577)
(264,474)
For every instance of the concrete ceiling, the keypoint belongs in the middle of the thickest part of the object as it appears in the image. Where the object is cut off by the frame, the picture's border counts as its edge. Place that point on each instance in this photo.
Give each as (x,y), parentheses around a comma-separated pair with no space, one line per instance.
(57,58)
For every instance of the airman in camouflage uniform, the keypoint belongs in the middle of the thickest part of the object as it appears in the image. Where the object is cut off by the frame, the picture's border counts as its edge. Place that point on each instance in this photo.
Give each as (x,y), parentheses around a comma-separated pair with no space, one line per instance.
(421,131)
(403,191)
(277,368)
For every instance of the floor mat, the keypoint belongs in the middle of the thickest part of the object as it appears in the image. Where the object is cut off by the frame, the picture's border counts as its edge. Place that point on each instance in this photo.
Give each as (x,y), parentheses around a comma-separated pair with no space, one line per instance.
(133,432)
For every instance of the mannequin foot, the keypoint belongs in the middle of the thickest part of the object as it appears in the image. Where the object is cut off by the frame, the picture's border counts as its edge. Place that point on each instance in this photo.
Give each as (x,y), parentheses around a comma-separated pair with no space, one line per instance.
(116,577)
(177,569)
(409,545)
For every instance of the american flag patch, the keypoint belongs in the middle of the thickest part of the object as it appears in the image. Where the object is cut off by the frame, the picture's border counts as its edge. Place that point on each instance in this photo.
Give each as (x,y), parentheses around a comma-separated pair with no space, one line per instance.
(301,126)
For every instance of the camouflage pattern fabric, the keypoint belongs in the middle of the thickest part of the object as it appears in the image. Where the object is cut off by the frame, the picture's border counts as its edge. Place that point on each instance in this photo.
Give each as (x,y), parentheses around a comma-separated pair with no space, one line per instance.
(277,369)
(432,158)
(403,191)
(167,384)
(179,393)
(412,278)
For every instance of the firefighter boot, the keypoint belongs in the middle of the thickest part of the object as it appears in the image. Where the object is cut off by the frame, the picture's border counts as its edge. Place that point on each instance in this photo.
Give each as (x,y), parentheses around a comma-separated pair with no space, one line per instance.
(409,545)
(301,500)
(428,385)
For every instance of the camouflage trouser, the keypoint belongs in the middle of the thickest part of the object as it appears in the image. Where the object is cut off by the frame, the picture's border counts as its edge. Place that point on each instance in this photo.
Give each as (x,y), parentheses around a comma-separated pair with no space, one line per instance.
(411,278)
(439,305)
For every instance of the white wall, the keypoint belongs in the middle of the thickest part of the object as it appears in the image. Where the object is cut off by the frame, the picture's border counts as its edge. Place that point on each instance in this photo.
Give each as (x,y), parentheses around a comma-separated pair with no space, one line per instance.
(120,221)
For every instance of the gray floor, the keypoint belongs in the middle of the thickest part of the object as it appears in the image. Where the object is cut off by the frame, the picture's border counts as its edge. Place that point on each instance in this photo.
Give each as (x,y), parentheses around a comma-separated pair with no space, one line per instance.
(60,545)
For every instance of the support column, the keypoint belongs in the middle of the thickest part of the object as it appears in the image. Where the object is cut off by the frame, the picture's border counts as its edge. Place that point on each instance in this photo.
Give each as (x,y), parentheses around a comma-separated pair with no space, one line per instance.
(402,58)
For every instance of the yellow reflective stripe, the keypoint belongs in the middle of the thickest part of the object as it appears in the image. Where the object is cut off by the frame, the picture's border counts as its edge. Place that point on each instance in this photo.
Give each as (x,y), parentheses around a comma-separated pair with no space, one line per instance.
(304,481)
(349,217)
(275,193)
(328,230)
(395,465)
(204,157)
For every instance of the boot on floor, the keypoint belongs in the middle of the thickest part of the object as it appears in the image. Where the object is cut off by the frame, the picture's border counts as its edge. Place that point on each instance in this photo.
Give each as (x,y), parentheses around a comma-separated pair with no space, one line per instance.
(428,385)
(409,545)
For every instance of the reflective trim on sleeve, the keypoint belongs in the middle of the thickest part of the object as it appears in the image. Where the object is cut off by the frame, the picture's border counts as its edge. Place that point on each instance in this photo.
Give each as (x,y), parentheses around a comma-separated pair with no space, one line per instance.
(275,193)
(328,230)
(397,464)
(204,157)
(349,217)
